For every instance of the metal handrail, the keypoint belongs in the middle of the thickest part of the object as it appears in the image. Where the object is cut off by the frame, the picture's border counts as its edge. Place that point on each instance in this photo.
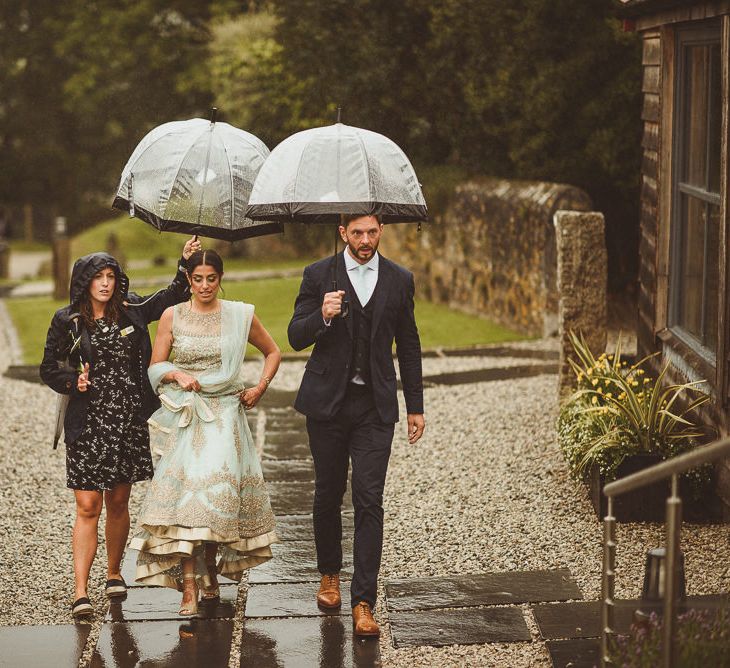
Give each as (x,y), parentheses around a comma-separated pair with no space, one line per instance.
(670,468)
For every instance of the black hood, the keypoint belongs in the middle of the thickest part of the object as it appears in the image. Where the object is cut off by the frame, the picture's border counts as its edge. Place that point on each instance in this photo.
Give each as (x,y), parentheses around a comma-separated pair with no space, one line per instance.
(86,267)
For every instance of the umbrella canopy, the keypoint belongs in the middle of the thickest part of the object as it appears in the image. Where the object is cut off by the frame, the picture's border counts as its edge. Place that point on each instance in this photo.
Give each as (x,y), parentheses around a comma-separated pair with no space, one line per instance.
(318,174)
(195,176)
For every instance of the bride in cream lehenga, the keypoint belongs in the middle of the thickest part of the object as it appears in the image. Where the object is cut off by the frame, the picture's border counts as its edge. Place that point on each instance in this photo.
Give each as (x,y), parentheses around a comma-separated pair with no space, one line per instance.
(207,511)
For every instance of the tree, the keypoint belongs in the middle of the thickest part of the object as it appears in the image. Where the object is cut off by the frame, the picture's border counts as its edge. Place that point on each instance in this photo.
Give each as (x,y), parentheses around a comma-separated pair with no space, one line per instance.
(532,89)
(82,82)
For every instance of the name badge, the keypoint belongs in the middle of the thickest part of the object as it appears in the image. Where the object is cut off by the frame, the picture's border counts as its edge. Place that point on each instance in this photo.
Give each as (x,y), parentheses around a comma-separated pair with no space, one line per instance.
(127,330)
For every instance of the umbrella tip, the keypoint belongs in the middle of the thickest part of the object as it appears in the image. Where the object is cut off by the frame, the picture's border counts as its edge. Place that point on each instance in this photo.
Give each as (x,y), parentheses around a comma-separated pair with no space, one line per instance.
(339,114)
(213,114)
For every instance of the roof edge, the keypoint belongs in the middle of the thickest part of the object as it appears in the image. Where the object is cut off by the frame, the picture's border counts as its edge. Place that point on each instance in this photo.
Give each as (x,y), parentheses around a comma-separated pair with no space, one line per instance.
(629,9)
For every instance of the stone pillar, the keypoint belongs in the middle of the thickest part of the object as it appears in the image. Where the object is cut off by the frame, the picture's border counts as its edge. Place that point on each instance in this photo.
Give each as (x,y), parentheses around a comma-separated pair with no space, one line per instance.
(582,277)
(61,259)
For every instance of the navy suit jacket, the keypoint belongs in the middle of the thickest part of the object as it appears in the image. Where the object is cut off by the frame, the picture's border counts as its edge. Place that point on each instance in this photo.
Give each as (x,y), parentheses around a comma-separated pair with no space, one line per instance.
(328,368)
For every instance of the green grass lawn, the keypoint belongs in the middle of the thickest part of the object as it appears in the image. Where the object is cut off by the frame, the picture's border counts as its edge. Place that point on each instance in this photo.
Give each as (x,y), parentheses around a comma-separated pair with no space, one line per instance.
(167,271)
(136,239)
(438,325)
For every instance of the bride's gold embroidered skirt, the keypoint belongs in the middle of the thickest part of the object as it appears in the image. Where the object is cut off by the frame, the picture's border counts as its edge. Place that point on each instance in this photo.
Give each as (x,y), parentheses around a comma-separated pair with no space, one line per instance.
(207,487)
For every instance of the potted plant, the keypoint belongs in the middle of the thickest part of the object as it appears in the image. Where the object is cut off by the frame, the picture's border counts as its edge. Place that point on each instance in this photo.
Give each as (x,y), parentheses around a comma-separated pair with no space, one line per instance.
(620,420)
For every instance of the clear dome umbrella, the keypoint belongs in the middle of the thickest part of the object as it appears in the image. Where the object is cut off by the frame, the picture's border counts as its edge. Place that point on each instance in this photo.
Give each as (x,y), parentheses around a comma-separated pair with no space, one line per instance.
(316,175)
(195,177)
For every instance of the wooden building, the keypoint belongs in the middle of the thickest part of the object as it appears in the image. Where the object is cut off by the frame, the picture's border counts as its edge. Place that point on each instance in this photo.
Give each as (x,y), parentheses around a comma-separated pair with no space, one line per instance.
(684,275)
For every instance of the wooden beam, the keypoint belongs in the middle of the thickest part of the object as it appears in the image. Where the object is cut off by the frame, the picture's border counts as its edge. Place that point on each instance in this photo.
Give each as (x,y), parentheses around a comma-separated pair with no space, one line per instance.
(664,195)
(724,287)
(697,12)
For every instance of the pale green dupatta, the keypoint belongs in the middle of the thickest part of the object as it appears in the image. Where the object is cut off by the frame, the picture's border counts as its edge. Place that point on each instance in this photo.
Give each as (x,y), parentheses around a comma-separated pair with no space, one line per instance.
(180,407)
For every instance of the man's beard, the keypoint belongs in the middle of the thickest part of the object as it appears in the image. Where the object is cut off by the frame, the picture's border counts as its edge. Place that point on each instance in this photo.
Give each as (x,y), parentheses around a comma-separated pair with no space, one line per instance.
(356,253)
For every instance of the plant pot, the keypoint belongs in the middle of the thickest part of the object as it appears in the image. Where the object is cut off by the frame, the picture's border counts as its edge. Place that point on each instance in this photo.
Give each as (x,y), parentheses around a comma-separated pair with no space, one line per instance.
(647,504)
(642,505)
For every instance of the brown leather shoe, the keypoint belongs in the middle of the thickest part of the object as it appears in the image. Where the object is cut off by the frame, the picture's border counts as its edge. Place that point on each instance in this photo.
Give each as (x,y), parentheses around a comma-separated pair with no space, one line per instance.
(363,622)
(328,595)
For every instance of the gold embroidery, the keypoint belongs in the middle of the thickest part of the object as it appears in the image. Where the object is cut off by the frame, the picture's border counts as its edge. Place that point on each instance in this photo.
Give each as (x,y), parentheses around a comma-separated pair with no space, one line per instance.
(237,440)
(198,441)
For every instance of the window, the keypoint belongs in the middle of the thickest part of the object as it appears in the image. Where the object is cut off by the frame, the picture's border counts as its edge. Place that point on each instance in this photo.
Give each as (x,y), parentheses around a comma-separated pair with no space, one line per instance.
(695,262)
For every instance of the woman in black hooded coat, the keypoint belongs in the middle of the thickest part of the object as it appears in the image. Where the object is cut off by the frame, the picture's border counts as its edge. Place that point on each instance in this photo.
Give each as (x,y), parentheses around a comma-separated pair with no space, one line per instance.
(97,351)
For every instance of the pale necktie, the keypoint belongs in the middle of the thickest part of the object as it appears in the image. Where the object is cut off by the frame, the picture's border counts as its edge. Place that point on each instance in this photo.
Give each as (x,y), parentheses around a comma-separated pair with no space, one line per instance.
(361,284)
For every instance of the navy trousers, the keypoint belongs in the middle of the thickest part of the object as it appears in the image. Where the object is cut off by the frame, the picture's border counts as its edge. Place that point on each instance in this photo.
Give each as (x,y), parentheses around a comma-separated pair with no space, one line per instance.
(354,434)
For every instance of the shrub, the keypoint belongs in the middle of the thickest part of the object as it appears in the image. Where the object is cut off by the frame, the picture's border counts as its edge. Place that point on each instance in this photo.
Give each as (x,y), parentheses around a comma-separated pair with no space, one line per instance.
(618,410)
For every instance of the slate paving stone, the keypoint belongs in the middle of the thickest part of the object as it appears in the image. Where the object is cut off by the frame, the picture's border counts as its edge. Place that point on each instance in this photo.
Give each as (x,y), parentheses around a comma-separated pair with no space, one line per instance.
(306,642)
(295,561)
(300,527)
(278,399)
(42,646)
(290,600)
(296,498)
(580,619)
(285,421)
(475,626)
(288,470)
(500,351)
(286,445)
(577,653)
(486,375)
(481,589)
(156,603)
(193,643)
(129,569)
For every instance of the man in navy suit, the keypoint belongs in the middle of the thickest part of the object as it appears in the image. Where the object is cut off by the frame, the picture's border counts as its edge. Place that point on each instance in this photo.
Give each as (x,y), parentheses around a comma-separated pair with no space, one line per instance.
(348,394)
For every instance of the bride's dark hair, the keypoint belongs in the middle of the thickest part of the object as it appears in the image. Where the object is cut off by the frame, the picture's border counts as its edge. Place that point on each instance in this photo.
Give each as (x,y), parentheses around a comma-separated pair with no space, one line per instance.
(205,257)
(209,258)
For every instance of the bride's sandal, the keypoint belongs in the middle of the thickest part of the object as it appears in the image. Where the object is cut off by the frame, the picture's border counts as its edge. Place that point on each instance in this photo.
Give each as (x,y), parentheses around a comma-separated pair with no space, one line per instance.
(213,592)
(189,607)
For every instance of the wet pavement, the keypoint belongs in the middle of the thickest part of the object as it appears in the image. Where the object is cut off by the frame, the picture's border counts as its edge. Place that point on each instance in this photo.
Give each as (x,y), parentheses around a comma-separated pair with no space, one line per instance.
(459,627)
(288,471)
(300,527)
(42,646)
(296,561)
(288,600)
(306,642)
(481,589)
(160,603)
(153,644)
(282,625)
(581,653)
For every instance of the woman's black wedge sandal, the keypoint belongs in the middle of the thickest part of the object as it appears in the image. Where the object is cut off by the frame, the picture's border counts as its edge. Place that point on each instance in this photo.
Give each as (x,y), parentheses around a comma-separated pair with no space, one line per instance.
(115,587)
(81,607)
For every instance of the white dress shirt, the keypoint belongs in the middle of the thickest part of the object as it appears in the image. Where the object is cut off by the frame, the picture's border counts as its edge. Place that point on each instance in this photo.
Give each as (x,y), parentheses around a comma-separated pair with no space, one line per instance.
(362,276)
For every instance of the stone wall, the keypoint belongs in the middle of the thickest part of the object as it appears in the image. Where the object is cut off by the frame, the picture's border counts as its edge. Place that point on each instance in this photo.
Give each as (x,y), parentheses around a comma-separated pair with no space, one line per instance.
(491,251)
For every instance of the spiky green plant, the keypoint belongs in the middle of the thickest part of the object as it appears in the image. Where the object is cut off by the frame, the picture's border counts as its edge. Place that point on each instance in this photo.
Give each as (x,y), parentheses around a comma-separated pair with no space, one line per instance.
(618,411)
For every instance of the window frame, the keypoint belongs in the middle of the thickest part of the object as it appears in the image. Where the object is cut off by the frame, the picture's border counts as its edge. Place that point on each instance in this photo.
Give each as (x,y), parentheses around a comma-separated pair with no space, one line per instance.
(710,33)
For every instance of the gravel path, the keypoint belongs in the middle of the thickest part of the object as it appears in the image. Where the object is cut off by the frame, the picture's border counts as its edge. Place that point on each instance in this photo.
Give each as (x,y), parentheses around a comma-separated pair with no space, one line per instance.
(485,490)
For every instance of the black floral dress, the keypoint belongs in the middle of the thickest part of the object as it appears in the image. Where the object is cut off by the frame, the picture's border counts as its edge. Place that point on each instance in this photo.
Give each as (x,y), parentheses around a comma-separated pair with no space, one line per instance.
(114,445)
